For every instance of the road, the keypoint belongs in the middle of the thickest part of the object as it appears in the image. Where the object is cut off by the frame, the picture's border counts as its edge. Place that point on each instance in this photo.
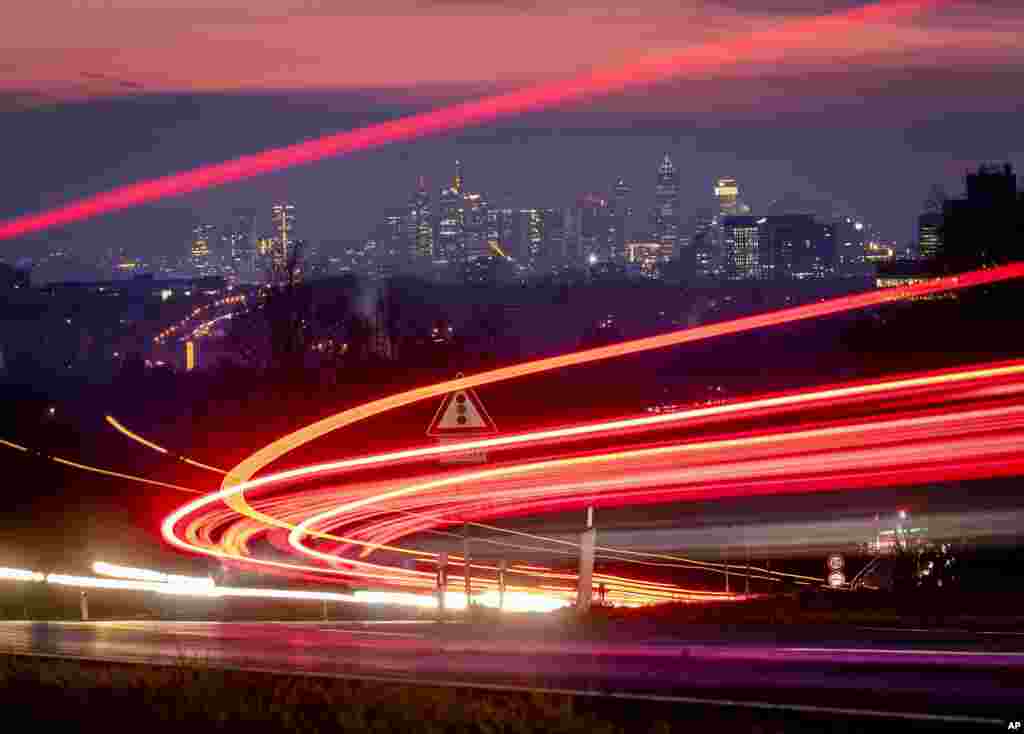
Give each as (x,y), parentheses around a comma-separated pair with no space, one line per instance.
(937,675)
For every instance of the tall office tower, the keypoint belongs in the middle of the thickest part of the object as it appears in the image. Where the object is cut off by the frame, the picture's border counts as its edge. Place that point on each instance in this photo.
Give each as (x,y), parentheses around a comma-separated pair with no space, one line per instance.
(501,229)
(742,248)
(571,234)
(201,249)
(392,245)
(282,220)
(666,211)
(727,192)
(851,237)
(792,246)
(421,225)
(535,236)
(459,182)
(552,224)
(595,232)
(929,235)
(450,239)
(475,226)
(623,214)
(705,254)
(985,227)
(238,244)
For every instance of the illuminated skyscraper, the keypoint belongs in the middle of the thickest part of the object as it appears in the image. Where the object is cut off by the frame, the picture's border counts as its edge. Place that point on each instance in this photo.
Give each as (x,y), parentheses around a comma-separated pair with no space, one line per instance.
(552,222)
(450,240)
(392,245)
(474,225)
(706,255)
(421,225)
(929,235)
(282,217)
(238,248)
(742,248)
(201,248)
(851,237)
(595,233)
(666,212)
(727,192)
(621,215)
(501,229)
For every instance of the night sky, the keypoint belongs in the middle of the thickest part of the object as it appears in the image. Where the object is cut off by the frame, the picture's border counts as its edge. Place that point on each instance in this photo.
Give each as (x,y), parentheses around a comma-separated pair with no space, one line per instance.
(96,93)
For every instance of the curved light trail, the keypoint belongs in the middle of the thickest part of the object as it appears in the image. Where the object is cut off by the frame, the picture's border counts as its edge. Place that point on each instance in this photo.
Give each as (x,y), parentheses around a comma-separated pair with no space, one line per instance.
(924,417)
(920,445)
(764,44)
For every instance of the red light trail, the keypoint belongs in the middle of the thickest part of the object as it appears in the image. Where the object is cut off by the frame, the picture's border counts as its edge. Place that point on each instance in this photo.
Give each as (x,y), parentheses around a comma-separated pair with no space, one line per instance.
(919,445)
(953,424)
(709,57)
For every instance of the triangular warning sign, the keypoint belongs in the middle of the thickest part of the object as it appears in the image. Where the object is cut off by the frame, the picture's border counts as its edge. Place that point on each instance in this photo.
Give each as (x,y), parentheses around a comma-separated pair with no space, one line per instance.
(461,414)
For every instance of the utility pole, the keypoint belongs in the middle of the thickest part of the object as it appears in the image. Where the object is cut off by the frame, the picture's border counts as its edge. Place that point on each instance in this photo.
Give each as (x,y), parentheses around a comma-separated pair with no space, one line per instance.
(726,569)
(465,565)
(442,584)
(746,582)
(585,587)
(502,569)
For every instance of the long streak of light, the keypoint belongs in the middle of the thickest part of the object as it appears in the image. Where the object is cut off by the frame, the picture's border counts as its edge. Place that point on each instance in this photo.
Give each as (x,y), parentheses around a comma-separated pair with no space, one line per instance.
(103,568)
(104,472)
(703,58)
(926,426)
(242,474)
(236,482)
(119,475)
(608,553)
(20,574)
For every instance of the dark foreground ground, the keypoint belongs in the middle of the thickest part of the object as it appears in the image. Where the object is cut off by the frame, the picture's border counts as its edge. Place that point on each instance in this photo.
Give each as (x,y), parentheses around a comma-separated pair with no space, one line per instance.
(636,678)
(95,696)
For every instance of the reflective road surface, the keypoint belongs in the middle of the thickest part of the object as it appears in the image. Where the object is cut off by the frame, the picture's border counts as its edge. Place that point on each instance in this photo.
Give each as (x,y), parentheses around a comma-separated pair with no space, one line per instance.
(911,673)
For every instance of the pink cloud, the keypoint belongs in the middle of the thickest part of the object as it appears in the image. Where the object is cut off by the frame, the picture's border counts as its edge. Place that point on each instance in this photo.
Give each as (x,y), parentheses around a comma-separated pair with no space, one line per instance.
(237,45)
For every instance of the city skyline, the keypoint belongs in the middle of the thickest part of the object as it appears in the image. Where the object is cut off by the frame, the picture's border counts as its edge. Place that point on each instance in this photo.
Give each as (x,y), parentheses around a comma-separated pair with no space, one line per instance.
(617,192)
(870,114)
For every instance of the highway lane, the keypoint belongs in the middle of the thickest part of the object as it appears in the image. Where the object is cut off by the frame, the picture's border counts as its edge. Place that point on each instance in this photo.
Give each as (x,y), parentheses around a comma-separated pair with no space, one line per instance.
(911,673)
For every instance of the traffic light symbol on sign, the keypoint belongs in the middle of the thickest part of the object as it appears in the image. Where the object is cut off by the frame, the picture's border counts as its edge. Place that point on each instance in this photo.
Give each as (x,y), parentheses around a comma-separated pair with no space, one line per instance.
(461,414)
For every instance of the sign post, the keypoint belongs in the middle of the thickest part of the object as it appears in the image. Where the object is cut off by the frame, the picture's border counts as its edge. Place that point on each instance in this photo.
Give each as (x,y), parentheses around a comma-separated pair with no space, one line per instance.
(502,569)
(465,566)
(442,583)
(585,584)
